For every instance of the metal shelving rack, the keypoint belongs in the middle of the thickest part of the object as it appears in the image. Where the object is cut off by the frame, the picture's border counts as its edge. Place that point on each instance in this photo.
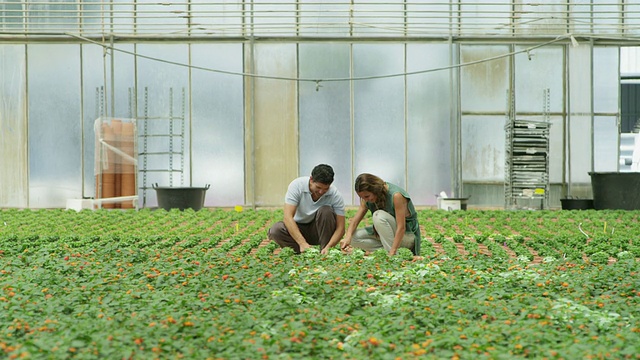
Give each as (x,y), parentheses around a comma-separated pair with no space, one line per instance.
(174,133)
(527,158)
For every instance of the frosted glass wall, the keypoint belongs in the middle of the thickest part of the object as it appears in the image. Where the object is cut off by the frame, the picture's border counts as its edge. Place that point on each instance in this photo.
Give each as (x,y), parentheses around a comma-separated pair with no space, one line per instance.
(605,143)
(483,90)
(484,85)
(218,123)
(530,86)
(379,106)
(55,172)
(429,117)
(579,160)
(606,94)
(483,148)
(113,99)
(325,116)
(532,96)
(393,112)
(160,97)
(13,129)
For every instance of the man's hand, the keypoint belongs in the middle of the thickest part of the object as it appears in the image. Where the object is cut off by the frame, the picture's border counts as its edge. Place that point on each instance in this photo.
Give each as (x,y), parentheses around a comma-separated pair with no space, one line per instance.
(304,247)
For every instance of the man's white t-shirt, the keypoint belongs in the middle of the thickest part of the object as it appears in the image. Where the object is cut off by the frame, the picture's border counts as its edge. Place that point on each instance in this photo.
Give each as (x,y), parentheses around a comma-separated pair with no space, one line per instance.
(298,194)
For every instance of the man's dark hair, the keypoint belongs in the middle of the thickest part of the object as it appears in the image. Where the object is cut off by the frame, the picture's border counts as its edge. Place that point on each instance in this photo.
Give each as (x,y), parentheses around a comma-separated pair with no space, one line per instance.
(323,174)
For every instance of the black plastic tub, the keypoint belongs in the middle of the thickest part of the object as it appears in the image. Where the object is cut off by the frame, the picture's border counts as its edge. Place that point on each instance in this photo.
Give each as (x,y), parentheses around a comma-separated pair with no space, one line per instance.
(576,204)
(181,197)
(616,190)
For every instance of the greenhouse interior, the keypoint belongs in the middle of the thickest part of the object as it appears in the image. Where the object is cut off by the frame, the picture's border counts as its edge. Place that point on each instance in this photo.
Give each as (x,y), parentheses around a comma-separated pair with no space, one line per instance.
(503,104)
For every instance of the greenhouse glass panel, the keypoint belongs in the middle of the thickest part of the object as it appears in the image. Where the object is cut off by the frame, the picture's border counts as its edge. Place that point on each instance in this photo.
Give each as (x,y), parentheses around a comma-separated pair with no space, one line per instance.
(218,123)
(606,79)
(124,16)
(274,156)
(55,134)
(94,103)
(483,147)
(540,18)
(325,112)
(101,100)
(579,142)
(378,17)
(219,18)
(93,20)
(556,146)
(153,17)
(379,123)
(161,94)
(484,84)
(52,15)
(486,17)
(12,15)
(272,18)
(632,18)
(536,71)
(330,17)
(580,17)
(607,16)
(428,17)
(13,129)
(605,143)
(429,109)
(628,60)
(579,80)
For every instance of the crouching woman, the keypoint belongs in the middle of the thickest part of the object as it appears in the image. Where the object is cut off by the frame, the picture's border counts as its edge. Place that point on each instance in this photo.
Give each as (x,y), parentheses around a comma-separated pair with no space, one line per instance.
(395,221)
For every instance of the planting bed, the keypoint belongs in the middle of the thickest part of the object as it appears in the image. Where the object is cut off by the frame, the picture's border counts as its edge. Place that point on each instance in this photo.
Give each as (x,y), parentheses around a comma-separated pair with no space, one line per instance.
(111,284)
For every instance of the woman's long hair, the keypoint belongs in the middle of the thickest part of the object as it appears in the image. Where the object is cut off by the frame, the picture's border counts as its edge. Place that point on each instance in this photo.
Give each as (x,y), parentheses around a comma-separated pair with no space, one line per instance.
(374,185)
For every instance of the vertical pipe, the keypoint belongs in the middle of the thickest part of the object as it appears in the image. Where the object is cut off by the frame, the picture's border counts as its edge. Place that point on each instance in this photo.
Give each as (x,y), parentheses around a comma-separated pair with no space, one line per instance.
(352,122)
(82,162)
(252,121)
(113,80)
(406,122)
(592,95)
(190,127)
(566,139)
(455,122)
(26,112)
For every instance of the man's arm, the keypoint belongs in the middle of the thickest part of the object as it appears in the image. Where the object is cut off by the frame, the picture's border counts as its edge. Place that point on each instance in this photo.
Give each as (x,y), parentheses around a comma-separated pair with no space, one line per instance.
(337,235)
(292,227)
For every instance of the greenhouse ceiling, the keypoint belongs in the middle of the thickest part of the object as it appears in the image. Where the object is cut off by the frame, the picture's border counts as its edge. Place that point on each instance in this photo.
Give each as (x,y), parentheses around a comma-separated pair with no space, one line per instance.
(310,20)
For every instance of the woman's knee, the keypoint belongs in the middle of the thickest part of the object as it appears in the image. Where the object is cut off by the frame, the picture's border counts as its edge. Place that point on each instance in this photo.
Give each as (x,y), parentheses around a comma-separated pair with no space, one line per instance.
(381,216)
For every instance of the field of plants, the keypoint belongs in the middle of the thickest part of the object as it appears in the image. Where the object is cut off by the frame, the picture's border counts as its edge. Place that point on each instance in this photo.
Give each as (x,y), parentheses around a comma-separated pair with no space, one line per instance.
(489,284)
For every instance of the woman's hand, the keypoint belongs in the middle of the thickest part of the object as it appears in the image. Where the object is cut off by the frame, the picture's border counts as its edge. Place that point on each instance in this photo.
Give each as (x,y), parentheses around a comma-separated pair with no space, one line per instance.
(345,243)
